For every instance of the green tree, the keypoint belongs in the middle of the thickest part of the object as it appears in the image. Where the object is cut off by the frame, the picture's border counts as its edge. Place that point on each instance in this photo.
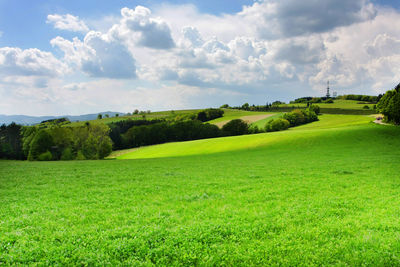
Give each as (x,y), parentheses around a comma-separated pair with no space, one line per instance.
(246,106)
(99,117)
(235,127)
(41,143)
(389,105)
(278,124)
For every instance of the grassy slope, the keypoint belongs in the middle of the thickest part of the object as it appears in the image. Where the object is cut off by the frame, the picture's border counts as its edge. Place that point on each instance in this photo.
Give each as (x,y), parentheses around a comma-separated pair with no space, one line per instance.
(261,123)
(231,114)
(217,145)
(343,104)
(329,197)
(152,115)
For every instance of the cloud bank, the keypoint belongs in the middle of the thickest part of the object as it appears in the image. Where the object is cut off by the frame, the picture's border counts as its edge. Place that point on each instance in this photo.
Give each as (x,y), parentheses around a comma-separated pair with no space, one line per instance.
(175,56)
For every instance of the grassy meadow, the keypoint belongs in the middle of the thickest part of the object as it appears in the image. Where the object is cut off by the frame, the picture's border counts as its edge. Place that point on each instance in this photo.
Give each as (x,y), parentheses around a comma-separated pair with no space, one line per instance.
(337,103)
(326,193)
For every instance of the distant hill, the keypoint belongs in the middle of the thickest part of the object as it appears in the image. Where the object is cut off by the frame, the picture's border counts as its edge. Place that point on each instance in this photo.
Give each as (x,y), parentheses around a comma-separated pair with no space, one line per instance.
(31,120)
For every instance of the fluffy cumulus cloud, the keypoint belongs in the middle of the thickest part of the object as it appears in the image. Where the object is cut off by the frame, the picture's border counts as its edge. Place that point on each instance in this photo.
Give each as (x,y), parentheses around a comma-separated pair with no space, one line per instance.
(67,22)
(139,27)
(15,61)
(293,18)
(98,56)
(177,57)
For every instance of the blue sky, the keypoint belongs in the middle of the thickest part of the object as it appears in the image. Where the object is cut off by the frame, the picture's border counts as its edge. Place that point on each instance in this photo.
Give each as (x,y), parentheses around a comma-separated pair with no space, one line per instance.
(23,22)
(72,57)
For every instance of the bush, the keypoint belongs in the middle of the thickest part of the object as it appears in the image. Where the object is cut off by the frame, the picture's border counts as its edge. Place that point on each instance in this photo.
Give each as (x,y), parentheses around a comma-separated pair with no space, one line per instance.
(253,129)
(67,154)
(202,116)
(389,105)
(46,156)
(315,108)
(296,117)
(235,127)
(279,124)
(329,101)
(209,114)
(366,107)
(80,156)
(11,141)
(41,143)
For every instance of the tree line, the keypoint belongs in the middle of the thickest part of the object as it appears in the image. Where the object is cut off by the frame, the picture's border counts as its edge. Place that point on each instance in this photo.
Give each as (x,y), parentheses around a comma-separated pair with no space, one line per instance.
(389,105)
(56,139)
(52,141)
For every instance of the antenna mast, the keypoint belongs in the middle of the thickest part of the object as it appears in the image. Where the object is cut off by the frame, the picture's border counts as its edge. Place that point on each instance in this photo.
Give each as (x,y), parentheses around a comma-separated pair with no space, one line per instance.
(327,91)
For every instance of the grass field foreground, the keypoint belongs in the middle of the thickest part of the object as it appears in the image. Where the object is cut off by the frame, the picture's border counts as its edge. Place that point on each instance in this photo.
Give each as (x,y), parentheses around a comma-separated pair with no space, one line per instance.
(331,198)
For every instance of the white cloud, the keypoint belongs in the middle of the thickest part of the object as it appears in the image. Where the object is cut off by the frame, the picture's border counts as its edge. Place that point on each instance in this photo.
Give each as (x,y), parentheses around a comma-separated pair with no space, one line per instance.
(292,18)
(138,26)
(176,57)
(67,22)
(15,61)
(98,56)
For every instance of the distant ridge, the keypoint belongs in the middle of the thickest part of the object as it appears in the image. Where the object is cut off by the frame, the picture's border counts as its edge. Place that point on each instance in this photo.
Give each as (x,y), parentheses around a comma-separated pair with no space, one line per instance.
(31,120)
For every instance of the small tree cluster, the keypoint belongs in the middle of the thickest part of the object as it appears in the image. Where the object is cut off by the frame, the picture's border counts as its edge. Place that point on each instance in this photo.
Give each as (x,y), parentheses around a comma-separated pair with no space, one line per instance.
(278,124)
(298,117)
(389,105)
(235,127)
(11,141)
(209,114)
(169,132)
(67,143)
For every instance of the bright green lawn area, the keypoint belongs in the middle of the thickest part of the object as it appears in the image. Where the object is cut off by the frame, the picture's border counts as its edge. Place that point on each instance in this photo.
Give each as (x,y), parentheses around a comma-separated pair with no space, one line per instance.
(152,115)
(329,196)
(343,104)
(261,123)
(231,114)
(217,145)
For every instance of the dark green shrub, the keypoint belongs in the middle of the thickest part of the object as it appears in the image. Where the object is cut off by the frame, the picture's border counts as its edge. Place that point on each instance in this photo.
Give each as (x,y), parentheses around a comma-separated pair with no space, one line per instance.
(41,143)
(296,117)
(389,105)
(80,156)
(46,156)
(315,108)
(329,101)
(235,127)
(253,129)
(209,114)
(202,116)
(67,154)
(366,107)
(279,124)
(89,148)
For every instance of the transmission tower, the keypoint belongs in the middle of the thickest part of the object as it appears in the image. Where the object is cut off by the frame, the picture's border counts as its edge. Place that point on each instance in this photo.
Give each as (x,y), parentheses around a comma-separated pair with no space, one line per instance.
(327,91)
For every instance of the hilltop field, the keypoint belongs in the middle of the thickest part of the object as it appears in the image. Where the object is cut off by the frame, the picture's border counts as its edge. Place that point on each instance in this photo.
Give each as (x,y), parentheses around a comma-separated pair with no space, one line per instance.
(230,114)
(325,193)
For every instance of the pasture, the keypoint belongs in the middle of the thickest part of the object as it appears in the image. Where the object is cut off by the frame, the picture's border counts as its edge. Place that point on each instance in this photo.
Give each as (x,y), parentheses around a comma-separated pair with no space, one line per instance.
(337,103)
(327,193)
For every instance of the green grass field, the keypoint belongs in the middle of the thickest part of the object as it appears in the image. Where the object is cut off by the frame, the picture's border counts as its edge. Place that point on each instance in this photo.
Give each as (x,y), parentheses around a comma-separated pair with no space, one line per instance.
(326,193)
(217,145)
(231,114)
(152,115)
(342,104)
